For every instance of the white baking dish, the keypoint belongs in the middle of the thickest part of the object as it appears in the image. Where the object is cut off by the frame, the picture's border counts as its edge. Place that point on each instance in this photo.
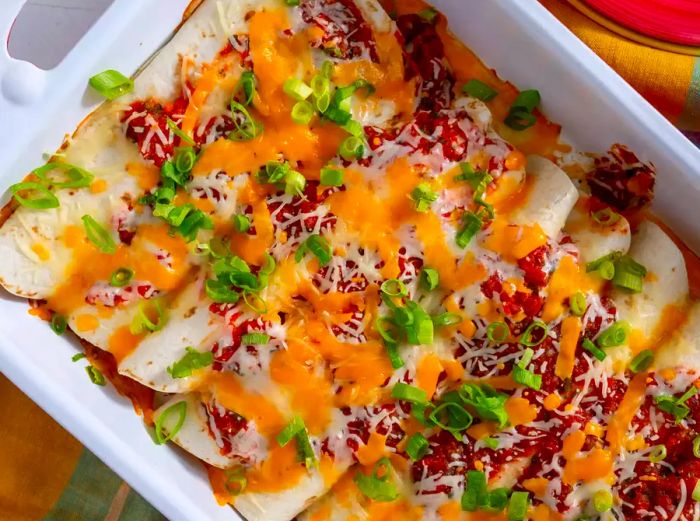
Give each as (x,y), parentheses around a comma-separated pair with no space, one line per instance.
(517,37)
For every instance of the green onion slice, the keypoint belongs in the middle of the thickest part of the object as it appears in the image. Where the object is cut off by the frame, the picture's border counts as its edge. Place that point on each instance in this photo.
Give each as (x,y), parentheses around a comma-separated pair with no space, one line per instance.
(479,90)
(392,352)
(696,447)
(409,393)
(472,224)
(221,292)
(179,133)
(593,349)
(497,499)
(606,217)
(241,223)
(658,453)
(534,334)
(294,183)
(429,14)
(236,482)
(614,336)
(451,417)
(38,197)
(351,148)
(255,302)
(331,177)
(629,274)
(429,278)
(423,197)
(297,89)
(446,319)
(378,486)
(58,324)
(95,375)
(302,112)
(185,158)
(577,304)
(518,505)
(318,246)
(394,288)
(121,277)
(642,361)
(191,361)
(247,85)
(294,427)
(696,492)
(488,403)
(602,501)
(475,494)
(417,446)
(74,176)
(111,84)
(178,411)
(498,332)
(77,356)
(246,127)
(98,235)
(143,322)
(255,338)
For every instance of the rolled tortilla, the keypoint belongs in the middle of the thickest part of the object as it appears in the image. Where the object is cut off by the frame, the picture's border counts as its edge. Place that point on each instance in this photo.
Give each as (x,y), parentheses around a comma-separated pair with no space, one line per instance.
(683,349)
(594,240)
(550,198)
(190,324)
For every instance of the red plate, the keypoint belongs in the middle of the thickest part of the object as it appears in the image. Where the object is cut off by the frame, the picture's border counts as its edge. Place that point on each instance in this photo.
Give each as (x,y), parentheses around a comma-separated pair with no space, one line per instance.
(676,21)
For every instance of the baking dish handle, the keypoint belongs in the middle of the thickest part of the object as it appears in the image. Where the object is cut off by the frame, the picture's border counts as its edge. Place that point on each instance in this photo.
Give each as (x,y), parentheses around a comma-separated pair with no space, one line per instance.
(21,82)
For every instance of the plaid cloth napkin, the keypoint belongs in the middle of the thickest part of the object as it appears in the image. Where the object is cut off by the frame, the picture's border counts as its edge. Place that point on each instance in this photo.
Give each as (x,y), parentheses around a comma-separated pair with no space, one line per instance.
(48,475)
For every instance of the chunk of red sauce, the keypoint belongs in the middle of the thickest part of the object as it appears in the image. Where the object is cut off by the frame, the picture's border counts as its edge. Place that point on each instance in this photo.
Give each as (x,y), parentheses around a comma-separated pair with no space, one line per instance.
(228,423)
(141,115)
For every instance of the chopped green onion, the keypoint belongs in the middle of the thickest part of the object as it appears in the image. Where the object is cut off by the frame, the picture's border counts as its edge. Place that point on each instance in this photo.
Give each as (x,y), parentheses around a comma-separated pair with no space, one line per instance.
(236,482)
(180,410)
(417,446)
(255,339)
(423,196)
(331,177)
(302,112)
(491,443)
(378,485)
(676,407)
(527,378)
(498,332)
(351,148)
(629,274)
(520,116)
(76,177)
(534,334)
(383,326)
(121,277)
(696,492)
(696,447)
(246,128)
(191,361)
(606,270)
(392,351)
(497,499)
(642,361)
(577,304)
(111,84)
(294,183)
(77,356)
(488,403)
(294,427)
(394,288)
(446,319)
(179,133)
(409,393)
(97,235)
(305,449)
(479,90)
(318,246)
(221,292)
(95,375)
(658,453)
(39,197)
(255,302)
(327,68)
(339,116)
(429,14)
(58,324)
(355,128)
(429,278)
(472,225)
(291,2)
(297,89)
(614,336)
(602,501)
(241,223)
(593,349)
(475,494)
(142,321)
(606,217)
(247,85)
(421,330)
(185,158)
(518,505)
(456,418)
